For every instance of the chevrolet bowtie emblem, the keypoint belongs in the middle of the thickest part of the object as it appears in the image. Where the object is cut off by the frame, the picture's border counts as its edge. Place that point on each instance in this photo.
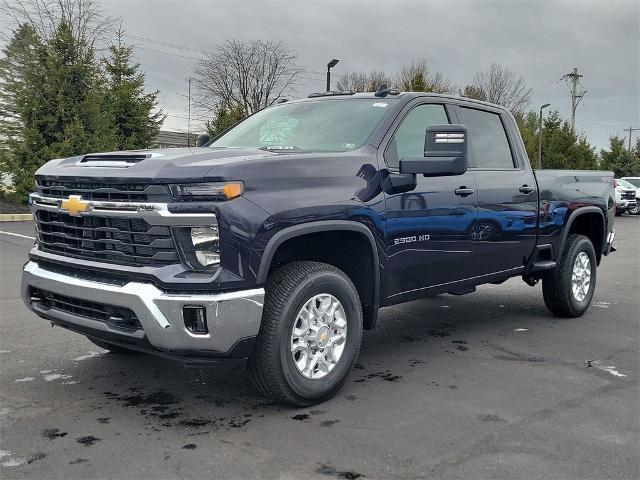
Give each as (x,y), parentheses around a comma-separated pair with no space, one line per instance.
(74,205)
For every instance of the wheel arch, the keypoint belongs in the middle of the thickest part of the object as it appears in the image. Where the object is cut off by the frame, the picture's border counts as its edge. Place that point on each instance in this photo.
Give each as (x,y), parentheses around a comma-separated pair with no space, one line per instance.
(578,222)
(370,309)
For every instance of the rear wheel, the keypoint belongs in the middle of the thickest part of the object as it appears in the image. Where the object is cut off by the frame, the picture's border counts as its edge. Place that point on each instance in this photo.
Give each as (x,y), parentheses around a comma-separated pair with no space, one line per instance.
(568,290)
(310,334)
(112,348)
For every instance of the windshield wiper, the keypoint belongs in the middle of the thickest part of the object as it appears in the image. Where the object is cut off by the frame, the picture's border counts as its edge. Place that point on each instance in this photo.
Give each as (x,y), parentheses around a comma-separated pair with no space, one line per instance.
(282,148)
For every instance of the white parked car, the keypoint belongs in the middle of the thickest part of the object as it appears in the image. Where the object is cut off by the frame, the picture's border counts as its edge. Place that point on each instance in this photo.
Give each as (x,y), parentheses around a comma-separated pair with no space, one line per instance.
(635,181)
(627,195)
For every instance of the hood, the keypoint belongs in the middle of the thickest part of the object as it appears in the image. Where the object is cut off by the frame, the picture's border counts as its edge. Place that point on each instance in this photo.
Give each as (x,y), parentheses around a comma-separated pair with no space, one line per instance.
(149,166)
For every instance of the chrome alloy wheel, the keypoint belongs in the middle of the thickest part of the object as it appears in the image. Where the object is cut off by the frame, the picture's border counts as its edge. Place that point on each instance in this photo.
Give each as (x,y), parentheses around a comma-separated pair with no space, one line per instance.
(581,276)
(319,336)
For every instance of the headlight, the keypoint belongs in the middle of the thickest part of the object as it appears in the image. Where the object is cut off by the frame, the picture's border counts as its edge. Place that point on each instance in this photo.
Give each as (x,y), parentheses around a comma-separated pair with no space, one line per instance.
(207,191)
(200,247)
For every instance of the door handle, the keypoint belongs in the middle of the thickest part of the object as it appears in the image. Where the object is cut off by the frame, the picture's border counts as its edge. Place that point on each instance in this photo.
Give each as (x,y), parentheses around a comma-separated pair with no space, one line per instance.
(526,189)
(464,191)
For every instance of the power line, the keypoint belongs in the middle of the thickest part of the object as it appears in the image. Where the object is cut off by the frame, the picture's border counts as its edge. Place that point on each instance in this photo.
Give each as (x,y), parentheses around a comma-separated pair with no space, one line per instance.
(166,53)
(169,44)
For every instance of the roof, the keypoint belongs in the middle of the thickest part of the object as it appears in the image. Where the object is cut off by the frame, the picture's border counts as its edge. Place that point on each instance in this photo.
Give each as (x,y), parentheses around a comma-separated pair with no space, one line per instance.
(404,95)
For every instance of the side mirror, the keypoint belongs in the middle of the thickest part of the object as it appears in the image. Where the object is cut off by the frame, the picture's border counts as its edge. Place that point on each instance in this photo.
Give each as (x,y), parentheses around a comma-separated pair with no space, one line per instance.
(202,140)
(445,152)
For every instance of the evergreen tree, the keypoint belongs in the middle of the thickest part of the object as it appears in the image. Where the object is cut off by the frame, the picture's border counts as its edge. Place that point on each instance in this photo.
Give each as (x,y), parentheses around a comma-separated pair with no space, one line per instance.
(19,58)
(562,148)
(623,162)
(134,112)
(60,105)
(225,117)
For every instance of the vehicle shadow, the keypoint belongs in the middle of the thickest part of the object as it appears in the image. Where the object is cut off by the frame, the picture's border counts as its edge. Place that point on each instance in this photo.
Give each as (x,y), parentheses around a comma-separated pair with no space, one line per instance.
(165,394)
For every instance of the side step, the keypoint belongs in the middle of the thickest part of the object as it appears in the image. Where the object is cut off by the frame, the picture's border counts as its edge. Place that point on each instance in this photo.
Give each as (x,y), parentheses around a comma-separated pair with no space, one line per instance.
(462,291)
(542,265)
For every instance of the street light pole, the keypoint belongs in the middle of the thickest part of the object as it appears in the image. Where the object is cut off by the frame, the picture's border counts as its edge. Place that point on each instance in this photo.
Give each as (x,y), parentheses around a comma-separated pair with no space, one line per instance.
(330,65)
(540,135)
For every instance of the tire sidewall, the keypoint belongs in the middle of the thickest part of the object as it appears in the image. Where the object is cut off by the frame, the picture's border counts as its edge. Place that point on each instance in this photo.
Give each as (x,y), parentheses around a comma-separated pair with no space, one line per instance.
(341,288)
(582,245)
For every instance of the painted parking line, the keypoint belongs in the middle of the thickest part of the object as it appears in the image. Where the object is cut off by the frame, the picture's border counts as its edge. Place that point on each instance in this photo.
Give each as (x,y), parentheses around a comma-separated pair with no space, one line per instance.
(18,235)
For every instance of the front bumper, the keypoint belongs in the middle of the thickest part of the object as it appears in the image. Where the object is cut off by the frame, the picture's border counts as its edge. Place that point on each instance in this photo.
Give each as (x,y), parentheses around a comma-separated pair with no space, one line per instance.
(624,205)
(233,317)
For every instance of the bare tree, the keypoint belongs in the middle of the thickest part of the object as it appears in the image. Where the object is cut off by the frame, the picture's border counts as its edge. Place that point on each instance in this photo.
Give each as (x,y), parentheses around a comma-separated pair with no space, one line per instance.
(418,77)
(89,25)
(353,81)
(253,74)
(363,81)
(500,85)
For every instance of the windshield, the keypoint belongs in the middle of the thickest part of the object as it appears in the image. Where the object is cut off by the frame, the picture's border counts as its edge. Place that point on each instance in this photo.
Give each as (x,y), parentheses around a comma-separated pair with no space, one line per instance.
(324,125)
(626,184)
(634,181)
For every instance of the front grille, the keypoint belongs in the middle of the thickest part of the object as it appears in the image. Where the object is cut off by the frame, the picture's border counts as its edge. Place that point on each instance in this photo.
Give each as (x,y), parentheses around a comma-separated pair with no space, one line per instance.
(629,195)
(118,317)
(113,240)
(121,192)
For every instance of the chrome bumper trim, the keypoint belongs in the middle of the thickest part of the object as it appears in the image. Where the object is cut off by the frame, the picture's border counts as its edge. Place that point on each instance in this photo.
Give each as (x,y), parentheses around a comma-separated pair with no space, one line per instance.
(611,237)
(152,213)
(230,316)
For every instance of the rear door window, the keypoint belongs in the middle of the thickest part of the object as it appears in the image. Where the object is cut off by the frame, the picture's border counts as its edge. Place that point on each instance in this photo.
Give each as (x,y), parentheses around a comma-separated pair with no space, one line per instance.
(488,143)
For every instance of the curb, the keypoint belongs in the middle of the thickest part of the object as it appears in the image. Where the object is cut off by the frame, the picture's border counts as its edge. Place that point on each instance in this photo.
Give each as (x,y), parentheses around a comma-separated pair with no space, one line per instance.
(15,217)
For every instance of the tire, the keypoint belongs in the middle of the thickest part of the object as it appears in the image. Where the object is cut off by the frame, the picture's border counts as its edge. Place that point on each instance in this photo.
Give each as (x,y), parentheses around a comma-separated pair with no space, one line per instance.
(557,288)
(111,348)
(272,365)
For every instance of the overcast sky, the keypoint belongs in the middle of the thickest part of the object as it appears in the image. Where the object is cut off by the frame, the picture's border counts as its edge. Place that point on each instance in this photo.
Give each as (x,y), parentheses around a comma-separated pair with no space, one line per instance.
(539,40)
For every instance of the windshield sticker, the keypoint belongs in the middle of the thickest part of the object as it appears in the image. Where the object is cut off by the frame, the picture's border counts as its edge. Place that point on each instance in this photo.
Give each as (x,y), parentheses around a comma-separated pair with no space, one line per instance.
(379,104)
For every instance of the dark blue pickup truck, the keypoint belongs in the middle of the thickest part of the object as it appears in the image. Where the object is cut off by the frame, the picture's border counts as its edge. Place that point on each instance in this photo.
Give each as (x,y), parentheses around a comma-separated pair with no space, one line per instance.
(276,244)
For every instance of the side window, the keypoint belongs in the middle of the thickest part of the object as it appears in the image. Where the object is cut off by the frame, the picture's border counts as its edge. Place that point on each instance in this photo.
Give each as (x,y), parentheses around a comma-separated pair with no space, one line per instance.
(408,140)
(488,143)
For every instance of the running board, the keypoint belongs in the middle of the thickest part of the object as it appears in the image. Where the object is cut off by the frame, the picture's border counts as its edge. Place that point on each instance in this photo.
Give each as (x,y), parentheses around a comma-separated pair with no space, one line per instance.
(542,265)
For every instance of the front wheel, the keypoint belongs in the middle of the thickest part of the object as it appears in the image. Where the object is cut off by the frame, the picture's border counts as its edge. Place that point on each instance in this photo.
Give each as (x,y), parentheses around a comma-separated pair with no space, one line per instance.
(310,334)
(568,290)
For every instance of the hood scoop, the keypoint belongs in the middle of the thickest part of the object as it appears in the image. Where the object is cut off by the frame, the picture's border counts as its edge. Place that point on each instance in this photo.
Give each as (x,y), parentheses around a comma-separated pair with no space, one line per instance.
(116,160)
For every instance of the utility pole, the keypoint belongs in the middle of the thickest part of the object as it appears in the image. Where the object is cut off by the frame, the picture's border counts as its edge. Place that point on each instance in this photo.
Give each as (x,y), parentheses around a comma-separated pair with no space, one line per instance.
(630,130)
(576,96)
(189,117)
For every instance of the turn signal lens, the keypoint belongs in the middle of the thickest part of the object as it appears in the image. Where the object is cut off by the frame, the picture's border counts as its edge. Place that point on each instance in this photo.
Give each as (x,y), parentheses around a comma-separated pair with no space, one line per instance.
(232,190)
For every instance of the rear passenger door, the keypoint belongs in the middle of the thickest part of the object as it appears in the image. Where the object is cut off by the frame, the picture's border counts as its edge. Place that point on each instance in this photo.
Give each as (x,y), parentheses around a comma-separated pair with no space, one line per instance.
(505,234)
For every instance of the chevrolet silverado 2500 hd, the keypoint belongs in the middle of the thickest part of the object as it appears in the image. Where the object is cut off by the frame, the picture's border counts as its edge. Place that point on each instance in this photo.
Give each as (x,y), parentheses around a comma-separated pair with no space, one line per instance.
(275,244)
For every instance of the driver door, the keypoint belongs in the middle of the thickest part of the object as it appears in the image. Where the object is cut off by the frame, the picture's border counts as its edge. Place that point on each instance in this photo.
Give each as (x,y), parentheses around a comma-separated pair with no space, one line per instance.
(429,229)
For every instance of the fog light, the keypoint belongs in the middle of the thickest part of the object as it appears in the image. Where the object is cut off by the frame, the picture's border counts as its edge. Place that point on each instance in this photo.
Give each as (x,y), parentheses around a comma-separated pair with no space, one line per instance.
(195,319)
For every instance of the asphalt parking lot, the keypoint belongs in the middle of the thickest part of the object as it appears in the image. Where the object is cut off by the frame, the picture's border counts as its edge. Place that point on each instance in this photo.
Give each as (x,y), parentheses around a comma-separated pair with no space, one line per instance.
(478,386)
